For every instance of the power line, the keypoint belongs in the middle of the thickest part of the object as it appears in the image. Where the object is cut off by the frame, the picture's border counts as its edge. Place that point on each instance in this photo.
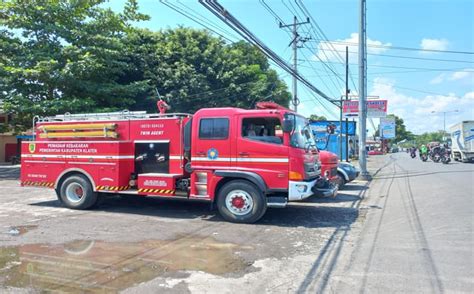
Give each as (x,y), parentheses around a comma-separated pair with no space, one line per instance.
(414,68)
(207,20)
(408,89)
(401,48)
(272,12)
(223,14)
(407,57)
(303,8)
(196,20)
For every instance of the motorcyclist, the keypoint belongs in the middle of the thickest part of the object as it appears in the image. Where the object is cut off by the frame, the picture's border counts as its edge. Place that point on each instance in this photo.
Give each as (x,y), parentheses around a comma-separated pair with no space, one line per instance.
(423,149)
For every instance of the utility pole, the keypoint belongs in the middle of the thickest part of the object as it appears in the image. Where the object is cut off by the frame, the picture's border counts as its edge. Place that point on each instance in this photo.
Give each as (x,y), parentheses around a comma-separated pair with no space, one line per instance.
(347,98)
(444,118)
(295,45)
(362,91)
(340,131)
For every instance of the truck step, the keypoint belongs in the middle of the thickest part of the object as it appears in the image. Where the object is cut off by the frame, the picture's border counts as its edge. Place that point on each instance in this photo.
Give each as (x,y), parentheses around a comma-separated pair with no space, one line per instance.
(277,202)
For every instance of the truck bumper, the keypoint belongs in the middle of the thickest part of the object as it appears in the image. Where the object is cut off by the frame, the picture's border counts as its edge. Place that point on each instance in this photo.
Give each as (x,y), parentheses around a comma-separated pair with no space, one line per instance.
(319,187)
(328,190)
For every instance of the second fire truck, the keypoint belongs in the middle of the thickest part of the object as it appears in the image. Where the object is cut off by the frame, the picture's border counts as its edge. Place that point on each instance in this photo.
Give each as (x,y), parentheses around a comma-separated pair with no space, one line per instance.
(242,160)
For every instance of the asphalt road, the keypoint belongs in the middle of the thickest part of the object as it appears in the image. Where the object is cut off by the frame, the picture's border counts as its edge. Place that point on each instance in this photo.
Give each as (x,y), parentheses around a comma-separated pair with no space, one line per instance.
(408,230)
(420,237)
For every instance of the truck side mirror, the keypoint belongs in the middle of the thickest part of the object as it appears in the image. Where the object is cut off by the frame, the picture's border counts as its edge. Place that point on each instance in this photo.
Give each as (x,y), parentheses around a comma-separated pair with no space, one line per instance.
(288,123)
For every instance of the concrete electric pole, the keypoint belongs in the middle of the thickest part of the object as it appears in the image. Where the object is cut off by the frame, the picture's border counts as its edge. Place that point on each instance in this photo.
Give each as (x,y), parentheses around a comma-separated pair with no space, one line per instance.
(295,45)
(362,91)
(444,118)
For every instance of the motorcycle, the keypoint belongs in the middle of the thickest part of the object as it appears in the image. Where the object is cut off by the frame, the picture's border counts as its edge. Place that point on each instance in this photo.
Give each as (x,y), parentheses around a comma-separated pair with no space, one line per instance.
(423,157)
(435,155)
(445,155)
(413,153)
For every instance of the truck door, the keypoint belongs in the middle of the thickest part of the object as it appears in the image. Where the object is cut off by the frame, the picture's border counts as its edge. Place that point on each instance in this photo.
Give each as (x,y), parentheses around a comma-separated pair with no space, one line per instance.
(212,145)
(260,148)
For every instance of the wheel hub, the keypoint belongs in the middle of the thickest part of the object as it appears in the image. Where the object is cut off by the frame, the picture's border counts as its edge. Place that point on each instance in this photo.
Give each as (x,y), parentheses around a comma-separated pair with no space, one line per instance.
(239,202)
(74,192)
(79,191)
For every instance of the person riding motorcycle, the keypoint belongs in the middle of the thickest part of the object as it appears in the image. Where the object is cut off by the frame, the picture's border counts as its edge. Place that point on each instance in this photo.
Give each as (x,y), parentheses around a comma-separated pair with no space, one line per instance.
(423,149)
(423,152)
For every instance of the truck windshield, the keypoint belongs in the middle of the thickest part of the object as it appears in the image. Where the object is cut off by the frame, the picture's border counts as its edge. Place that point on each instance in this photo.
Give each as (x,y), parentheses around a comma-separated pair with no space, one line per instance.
(302,136)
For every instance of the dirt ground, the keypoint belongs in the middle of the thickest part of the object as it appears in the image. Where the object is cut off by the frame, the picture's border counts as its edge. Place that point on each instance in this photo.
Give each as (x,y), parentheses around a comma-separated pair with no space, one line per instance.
(139,245)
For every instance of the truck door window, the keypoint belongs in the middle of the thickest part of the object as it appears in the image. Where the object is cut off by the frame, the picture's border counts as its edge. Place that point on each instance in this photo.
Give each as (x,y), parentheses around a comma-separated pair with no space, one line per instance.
(214,128)
(264,129)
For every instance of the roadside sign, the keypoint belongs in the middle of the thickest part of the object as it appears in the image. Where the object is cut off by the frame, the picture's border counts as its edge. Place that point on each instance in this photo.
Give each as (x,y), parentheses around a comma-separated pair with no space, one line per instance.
(321,127)
(375,108)
(387,127)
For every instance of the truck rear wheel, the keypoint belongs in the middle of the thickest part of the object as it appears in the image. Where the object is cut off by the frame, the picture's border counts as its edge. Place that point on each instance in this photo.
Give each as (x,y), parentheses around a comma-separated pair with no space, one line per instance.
(241,202)
(76,193)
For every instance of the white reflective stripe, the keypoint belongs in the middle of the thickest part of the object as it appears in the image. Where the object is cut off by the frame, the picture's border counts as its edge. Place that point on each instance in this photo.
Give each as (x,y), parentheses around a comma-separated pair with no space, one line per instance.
(91,163)
(77,156)
(41,161)
(245,159)
(175,157)
(242,159)
(210,160)
(151,141)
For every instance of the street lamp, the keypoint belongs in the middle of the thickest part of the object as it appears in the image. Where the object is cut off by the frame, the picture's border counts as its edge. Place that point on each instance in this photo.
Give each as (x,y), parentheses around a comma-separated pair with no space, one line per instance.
(444,117)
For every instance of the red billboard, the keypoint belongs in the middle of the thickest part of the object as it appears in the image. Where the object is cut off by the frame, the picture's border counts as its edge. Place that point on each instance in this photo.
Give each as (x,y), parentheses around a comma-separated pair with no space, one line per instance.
(375,108)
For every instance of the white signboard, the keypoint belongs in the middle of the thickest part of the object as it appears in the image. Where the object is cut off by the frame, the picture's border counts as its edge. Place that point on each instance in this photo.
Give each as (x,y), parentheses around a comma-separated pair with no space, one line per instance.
(387,127)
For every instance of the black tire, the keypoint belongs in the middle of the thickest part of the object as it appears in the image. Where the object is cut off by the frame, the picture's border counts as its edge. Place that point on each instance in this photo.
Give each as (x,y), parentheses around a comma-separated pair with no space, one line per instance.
(70,190)
(244,189)
(341,181)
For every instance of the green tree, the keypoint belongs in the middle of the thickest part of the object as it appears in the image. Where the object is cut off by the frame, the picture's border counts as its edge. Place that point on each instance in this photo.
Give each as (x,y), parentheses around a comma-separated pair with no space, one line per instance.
(63,56)
(192,69)
(401,132)
(79,56)
(314,117)
(426,138)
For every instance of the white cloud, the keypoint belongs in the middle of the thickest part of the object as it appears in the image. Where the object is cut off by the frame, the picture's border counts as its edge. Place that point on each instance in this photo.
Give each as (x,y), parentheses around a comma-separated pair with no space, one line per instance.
(462,75)
(438,79)
(325,50)
(434,44)
(417,111)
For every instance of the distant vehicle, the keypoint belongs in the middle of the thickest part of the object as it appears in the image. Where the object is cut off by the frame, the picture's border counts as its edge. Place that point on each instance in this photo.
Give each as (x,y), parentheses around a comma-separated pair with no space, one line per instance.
(394,149)
(375,152)
(346,172)
(462,140)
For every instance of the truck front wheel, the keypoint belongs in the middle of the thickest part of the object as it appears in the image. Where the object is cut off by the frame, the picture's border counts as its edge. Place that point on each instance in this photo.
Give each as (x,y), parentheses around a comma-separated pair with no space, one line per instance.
(241,202)
(76,193)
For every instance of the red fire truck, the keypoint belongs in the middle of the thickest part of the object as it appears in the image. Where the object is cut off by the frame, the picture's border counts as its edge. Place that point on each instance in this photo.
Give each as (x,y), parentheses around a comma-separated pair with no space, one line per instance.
(242,160)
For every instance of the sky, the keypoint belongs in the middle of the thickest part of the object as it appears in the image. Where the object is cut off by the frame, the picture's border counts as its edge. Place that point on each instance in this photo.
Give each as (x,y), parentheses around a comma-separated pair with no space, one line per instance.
(422,87)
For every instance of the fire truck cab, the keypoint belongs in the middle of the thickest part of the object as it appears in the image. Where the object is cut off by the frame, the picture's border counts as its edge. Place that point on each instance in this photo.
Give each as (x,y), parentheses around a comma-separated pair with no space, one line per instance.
(242,160)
